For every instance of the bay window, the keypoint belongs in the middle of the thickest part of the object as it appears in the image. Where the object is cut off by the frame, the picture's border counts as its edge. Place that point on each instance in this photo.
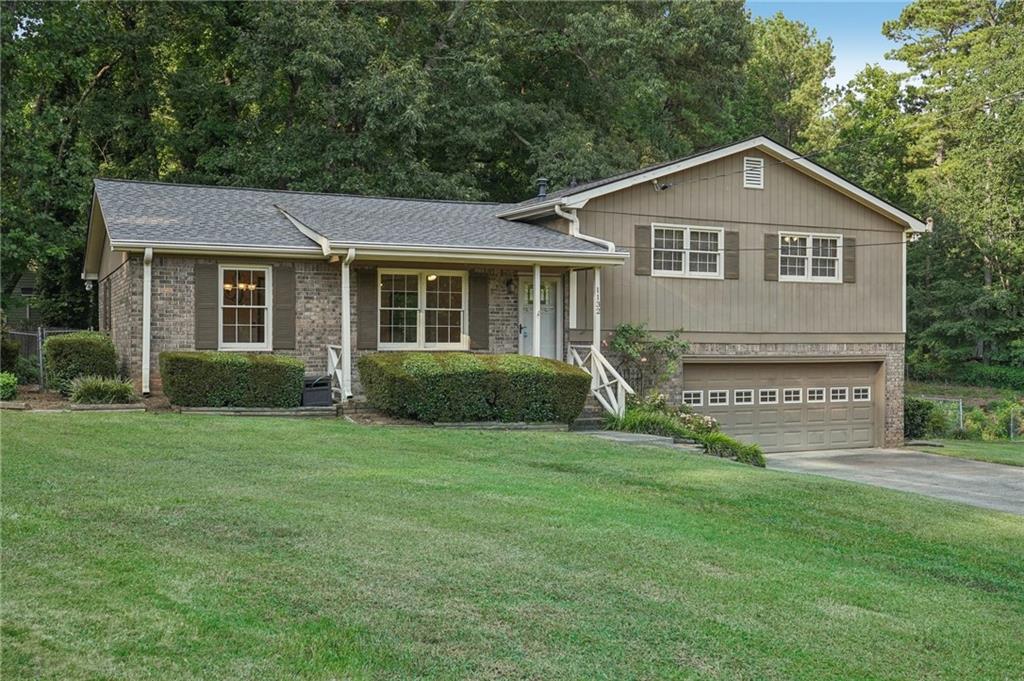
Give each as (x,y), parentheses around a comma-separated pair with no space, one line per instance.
(679,251)
(244,308)
(422,310)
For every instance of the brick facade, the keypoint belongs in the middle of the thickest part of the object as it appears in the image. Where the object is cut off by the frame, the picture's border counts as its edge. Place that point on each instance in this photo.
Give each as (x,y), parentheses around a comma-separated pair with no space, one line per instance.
(317,312)
(893,354)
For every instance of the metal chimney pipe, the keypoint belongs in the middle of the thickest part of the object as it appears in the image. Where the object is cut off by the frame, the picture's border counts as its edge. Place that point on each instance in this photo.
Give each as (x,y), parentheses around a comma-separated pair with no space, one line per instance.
(542,187)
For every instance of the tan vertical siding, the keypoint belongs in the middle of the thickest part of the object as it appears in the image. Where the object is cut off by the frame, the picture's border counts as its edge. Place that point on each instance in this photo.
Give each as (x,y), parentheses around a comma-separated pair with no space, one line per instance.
(713,195)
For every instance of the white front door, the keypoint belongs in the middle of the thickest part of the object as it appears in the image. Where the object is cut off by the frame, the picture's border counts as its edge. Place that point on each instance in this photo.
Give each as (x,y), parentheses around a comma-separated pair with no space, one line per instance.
(550,317)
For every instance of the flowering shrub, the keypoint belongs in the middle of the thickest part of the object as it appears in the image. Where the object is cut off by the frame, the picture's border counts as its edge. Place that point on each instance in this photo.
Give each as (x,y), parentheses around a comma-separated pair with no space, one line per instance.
(699,424)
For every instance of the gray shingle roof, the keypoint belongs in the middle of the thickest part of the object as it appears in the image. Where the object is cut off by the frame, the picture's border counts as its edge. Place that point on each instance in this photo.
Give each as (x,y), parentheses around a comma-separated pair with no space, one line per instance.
(170,213)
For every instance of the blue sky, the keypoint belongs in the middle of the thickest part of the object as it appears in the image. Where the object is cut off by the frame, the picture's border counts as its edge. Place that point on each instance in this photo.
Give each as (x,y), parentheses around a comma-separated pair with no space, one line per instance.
(855,29)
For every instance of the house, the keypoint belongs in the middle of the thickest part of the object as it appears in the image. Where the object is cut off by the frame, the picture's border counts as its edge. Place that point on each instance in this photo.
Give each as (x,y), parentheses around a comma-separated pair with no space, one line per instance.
(788,280)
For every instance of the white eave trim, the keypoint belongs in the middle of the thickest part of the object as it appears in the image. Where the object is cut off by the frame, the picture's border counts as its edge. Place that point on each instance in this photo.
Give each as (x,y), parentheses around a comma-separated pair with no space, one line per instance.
(170,247)
(790,157)
(474,254)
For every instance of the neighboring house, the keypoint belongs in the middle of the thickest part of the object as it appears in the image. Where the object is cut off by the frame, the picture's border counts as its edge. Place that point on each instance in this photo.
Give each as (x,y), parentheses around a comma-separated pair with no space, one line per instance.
(788,281)
(23,313)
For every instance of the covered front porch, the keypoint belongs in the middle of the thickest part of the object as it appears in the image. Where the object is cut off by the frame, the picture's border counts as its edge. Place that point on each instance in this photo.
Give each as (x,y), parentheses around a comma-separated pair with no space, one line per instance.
(509,303)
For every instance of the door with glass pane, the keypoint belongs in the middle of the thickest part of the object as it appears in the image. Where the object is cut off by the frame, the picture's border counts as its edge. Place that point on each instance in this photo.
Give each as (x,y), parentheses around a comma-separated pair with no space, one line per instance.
(550,317)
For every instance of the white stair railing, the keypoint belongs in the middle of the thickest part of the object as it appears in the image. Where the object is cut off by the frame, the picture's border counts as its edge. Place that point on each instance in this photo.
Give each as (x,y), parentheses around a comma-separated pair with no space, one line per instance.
(334,368)
(606,385)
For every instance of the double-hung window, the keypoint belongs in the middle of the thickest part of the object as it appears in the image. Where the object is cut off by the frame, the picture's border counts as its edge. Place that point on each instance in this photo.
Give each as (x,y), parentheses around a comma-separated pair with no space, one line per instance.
(680,251)
(810,257)
(422,309)
(245,307)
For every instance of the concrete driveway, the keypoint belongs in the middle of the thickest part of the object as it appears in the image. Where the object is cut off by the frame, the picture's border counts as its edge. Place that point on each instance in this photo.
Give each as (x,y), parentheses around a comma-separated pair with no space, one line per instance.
(988,485)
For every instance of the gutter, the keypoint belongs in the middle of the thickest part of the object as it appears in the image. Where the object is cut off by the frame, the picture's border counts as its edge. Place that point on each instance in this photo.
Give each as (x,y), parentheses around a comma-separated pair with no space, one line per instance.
(574,229)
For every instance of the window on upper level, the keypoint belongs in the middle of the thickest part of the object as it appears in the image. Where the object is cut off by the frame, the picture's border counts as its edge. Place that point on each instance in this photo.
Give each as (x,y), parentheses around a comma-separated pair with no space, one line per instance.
(680,251)
(810,257)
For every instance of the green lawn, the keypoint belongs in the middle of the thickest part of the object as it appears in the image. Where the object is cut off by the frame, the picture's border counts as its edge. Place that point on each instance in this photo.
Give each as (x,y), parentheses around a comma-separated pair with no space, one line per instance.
(163,546)
(1002,451)
(971,394)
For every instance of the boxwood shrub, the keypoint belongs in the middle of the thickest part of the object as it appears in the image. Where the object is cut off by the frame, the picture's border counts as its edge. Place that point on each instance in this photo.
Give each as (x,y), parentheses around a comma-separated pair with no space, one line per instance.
(460,387)
(229,379)
(82,353)
(101,390)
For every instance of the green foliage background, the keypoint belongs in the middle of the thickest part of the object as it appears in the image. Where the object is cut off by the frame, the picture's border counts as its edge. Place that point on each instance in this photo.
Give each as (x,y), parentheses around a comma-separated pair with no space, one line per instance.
(475,100)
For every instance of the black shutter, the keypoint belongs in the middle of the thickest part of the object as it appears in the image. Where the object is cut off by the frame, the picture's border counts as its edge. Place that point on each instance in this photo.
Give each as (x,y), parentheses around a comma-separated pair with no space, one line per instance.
(366,309)
(479,311)
(771,257)
(284,307)
(849,260)
(207,295)
(641,250)
(732,255)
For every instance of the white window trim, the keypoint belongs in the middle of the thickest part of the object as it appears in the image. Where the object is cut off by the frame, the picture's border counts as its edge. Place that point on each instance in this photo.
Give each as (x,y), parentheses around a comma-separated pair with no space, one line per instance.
(750,185)
(719,393)
(700,398)
(838,279)
(268,320)
(824,396)
(846,395)
(735,400)
(421,309)
(799,396)
(775,400)
(853,393)
(685,273)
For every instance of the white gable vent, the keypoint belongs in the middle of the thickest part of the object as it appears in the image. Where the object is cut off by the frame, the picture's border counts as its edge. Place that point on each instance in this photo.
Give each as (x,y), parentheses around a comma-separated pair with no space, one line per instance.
(753,173)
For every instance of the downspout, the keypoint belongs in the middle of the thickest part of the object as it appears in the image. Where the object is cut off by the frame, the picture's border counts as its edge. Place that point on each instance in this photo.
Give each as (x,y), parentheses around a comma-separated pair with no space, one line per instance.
(574,230)
(147,305)
(346,324)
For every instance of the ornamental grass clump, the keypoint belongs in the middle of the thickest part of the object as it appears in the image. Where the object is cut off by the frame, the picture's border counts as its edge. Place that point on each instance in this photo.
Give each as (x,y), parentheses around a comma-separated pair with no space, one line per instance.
(102,390)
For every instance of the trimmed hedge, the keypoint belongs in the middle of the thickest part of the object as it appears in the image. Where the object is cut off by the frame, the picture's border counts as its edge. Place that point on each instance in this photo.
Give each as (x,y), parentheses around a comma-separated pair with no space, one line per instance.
(918,416)
(82,353)
(460,387)
(101,390)
(8,385)
(229,379)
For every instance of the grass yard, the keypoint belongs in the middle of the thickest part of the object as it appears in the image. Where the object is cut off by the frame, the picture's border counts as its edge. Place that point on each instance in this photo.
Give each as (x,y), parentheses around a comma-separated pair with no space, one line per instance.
(164,546)
(1001,451)
(972,395)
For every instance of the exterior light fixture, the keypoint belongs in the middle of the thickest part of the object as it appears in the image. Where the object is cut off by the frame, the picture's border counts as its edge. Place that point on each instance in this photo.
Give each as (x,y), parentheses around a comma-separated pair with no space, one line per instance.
(431,277)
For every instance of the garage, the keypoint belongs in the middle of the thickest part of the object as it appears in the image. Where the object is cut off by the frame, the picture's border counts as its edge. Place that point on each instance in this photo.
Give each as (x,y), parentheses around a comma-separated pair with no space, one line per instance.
(791,406)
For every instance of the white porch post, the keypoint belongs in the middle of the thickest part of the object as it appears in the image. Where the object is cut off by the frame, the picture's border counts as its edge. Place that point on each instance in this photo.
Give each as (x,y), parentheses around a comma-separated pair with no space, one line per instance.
(147,314)
(536,311)
(346,325)
(597,309)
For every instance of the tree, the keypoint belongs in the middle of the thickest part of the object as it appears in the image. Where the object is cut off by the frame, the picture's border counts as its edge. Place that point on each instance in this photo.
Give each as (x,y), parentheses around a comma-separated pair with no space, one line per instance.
(785,81)
(970,58)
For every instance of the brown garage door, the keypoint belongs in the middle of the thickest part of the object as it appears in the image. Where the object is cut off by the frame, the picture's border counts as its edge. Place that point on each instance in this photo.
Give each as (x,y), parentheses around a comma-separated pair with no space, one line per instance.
(791,406)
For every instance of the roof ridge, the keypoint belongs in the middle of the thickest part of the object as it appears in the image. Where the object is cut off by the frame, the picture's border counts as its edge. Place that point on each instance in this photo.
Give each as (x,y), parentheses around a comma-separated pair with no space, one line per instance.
(300,192)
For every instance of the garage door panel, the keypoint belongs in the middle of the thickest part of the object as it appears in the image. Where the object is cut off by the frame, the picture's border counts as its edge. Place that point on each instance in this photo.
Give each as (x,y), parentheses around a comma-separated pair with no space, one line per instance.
(793,425)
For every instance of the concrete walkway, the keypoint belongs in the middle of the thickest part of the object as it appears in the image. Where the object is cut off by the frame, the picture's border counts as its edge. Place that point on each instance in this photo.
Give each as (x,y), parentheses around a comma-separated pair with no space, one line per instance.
(987,485)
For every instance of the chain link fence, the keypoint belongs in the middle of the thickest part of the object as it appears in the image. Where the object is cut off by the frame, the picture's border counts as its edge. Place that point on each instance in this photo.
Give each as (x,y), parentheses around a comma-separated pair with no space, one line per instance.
(31,343)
